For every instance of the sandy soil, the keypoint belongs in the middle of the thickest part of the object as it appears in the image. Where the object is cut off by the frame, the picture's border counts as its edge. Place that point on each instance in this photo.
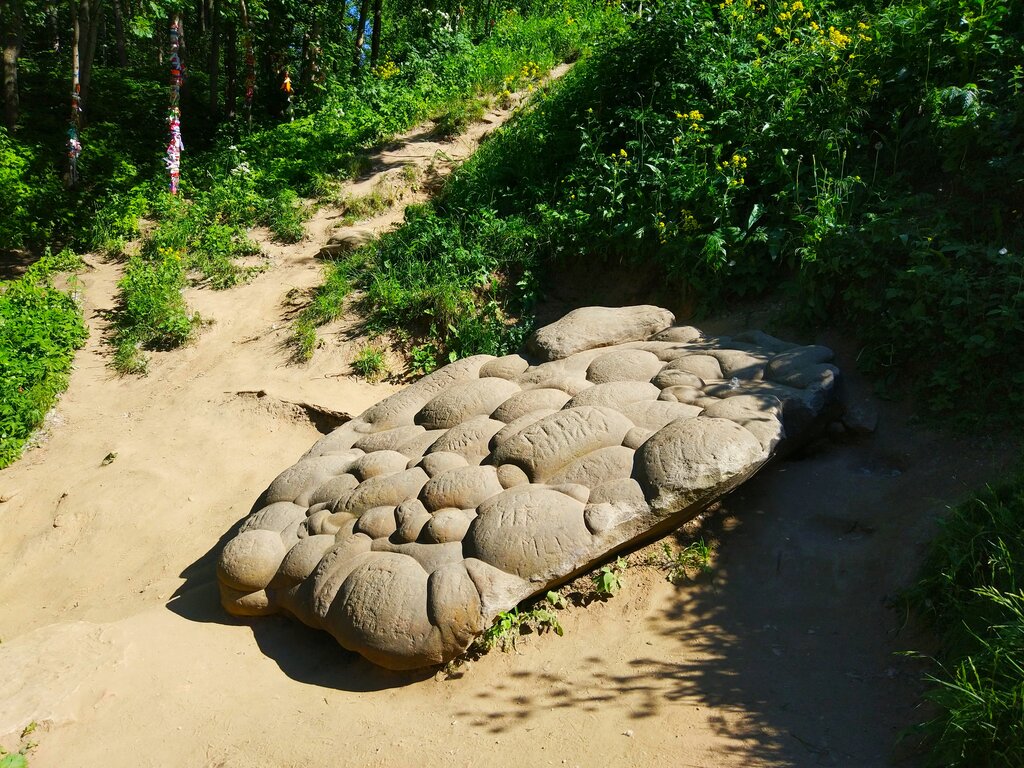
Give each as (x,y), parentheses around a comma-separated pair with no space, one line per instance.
(114,642)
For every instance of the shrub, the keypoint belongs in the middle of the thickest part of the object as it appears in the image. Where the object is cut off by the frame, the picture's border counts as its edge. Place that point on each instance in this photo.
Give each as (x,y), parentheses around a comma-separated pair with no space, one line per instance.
(152,313)
(40,328)
(972,590)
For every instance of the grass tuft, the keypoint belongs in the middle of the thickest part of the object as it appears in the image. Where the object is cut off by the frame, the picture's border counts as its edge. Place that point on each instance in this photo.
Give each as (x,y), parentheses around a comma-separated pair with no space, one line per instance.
(971,590)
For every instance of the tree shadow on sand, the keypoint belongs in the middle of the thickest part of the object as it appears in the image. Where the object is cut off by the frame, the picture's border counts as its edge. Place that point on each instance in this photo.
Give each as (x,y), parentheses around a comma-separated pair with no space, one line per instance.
(789,649)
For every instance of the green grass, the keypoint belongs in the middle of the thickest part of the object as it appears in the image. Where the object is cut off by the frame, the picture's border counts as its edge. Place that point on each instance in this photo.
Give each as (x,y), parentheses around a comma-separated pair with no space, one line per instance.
(151,313)
(457,115)
(370,363)
(972,591)
(356,209)
(682,563)
(327,304)
(286,216)
(40,329)
(539,616)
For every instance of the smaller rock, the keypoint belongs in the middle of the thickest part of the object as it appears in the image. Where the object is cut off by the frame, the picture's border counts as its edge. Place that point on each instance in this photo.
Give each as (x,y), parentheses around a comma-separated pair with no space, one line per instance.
(411,516)
(681,334)
(346,241)
(377,523)
(861,418)
(507,367)
(591,327)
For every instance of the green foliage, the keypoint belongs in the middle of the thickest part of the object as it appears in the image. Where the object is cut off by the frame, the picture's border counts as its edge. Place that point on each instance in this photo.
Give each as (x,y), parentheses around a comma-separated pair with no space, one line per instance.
(118,221)
(359,208)
(328,303)
(866,161)
(40,328)
(971,589)
(681,563)
(152,313)
(256,178)
(509,625)
(608,580)
(457,115)
(370,363)
(286,217)
(424,358)
(27,188)
(19,759)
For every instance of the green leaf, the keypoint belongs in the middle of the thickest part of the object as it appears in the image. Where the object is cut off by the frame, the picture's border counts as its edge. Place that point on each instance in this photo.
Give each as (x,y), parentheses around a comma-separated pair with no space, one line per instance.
(13,761)
(755,213)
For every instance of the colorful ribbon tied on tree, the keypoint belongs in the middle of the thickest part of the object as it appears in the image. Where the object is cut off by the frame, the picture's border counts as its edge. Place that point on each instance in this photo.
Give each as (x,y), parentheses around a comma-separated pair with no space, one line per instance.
(286,86)
(74,143)
(250,74)
(175,146)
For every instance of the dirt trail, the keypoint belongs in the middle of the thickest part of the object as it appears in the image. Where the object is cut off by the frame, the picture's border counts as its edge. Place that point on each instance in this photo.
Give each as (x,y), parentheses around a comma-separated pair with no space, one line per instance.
(113,639)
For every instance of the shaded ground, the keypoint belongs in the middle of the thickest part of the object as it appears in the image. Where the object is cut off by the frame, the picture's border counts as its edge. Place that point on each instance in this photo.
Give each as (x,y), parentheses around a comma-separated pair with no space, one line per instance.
(114,642)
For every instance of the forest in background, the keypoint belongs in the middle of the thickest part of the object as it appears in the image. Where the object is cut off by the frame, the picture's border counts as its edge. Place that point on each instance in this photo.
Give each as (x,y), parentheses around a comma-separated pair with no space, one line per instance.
(862,163)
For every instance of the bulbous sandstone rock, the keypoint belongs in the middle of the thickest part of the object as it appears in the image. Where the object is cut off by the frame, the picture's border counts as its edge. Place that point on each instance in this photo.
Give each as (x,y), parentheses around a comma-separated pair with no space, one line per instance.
(406,530)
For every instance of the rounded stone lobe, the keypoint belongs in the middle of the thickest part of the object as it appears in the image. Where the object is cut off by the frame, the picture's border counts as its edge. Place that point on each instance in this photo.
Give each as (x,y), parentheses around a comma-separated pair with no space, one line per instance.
(528,531)
(703,366)
(591,327)
(462,488)
(690,456)
(507,367)
(298,482)
(464,400)
(615,394)
(469,439)
(526,402)
(249,561)
(546,446)
(381,611)
(624,365)
(447,525)
(377,523)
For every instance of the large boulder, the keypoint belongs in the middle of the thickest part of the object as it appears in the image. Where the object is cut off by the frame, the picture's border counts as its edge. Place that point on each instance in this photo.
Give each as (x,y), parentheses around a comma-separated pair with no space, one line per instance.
(406,530)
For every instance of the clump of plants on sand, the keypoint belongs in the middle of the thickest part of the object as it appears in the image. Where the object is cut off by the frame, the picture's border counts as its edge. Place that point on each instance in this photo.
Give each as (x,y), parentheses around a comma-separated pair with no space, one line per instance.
(972,591)
(41,326)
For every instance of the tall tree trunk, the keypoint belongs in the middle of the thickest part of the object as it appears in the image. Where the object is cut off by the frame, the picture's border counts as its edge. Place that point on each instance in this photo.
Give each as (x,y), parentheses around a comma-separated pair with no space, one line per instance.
(250,61)
(90,28)
(364,9)
(51,14)
(73,147)
(122,51)
(231,71)
(12,49)
(214,60)
(311,55)
(375,41)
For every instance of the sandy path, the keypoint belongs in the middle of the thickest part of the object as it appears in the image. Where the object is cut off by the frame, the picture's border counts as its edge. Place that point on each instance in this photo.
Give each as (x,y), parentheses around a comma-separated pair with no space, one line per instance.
(114,642)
